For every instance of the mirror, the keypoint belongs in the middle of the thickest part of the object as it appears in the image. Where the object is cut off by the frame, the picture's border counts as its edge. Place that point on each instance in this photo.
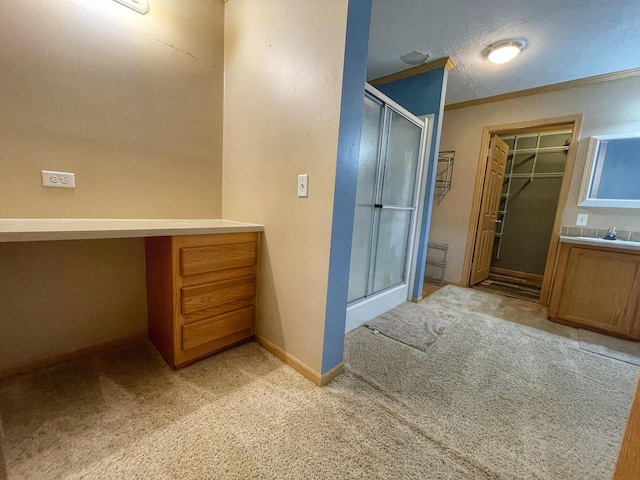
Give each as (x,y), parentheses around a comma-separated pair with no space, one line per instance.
(612,173)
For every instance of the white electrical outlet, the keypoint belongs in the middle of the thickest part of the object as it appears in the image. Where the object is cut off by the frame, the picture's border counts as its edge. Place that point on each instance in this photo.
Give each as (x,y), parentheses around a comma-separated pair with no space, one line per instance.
(582,220)
(303,185)
(58,179)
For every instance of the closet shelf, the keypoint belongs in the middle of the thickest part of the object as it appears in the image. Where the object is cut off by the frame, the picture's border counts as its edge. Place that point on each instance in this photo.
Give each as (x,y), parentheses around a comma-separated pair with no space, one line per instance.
(534,175)
(539,150)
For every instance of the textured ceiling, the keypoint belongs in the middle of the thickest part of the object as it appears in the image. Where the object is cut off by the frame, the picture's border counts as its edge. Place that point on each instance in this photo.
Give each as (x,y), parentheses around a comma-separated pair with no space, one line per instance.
(567,39)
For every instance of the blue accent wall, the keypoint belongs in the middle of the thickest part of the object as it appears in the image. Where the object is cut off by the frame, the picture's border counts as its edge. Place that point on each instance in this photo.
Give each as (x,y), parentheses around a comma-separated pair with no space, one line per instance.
(420,94)
(423,94)
(352,108)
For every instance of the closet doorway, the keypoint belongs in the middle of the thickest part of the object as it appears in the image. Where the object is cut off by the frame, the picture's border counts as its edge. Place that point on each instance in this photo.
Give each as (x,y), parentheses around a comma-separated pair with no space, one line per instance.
(518,206)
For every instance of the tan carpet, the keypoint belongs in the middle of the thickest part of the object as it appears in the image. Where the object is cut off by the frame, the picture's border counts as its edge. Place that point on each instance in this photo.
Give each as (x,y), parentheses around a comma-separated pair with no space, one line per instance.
(419,325)
(490,399)
(242,414)
(623,350)
(529,314)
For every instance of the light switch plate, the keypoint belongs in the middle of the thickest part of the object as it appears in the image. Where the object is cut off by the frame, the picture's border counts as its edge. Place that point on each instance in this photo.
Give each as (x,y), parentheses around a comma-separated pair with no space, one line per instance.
(303,185)
(58,179)
(582,220)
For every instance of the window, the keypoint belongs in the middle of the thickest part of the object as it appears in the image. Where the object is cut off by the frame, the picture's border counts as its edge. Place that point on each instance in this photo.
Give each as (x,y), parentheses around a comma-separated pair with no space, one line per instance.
(612,172)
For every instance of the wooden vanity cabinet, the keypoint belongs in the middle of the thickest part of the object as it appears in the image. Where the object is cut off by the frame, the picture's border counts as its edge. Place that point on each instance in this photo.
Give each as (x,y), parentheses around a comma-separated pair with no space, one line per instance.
(201,293)
(597,288)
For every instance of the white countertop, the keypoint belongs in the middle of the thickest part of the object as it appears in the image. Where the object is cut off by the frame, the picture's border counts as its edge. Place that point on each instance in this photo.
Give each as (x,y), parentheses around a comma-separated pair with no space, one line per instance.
(601,242)
(42,229)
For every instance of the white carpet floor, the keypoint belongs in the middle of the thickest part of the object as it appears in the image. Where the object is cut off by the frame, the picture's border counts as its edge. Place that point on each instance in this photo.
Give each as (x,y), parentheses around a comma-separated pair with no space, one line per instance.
(489,399)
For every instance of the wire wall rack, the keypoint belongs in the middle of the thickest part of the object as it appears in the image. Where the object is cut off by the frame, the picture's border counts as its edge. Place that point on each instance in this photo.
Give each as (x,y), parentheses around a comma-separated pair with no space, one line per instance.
(436,262)
(444,174)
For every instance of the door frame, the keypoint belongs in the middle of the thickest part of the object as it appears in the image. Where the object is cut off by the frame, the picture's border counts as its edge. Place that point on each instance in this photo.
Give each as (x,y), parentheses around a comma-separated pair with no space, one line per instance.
(425,189)
(530,126)
(370,307)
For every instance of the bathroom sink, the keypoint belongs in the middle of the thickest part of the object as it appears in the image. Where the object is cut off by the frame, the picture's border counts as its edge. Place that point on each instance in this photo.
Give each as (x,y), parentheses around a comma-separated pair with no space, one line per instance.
(601,242)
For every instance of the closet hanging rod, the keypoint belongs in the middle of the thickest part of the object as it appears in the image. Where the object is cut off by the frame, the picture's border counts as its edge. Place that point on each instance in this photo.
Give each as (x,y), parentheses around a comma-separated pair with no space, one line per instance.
(520,151)
(534,175)
(541,134)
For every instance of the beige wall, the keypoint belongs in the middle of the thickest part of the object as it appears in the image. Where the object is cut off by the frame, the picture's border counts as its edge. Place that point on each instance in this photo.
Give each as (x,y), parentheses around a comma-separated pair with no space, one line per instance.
(132,105)
(283,64)
(612,107)
(61,296)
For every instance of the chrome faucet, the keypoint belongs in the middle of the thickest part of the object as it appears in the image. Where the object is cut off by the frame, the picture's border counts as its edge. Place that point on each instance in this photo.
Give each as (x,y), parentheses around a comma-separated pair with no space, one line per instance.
(611,234)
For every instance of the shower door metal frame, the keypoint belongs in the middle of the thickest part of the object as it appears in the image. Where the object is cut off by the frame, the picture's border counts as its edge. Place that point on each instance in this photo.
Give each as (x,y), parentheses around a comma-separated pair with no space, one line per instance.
(364,309)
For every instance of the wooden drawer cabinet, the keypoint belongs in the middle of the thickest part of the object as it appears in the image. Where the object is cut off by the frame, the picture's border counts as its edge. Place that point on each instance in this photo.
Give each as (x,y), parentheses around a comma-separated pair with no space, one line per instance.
(598,288)
(201,293)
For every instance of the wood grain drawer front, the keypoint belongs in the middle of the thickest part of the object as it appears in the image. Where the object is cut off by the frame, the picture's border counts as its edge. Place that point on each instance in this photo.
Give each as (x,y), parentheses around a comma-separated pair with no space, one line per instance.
(215,310)
(204,297)
(211,329)
(197,260)
(600,289)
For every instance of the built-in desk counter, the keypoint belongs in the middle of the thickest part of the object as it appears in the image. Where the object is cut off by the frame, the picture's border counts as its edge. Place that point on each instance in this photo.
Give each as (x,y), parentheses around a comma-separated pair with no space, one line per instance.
(597,286)
(44,229)
(201,276)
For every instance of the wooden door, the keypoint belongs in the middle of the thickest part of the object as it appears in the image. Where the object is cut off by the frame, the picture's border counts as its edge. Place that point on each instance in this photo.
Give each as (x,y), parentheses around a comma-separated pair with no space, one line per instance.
(489,206)
(628,466)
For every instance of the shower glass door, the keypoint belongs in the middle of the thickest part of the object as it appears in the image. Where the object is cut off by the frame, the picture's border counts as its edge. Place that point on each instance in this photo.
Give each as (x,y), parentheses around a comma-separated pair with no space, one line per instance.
(386,200)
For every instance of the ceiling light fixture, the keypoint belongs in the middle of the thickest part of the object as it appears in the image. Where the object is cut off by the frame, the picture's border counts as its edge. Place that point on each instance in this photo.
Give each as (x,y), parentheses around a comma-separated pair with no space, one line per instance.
(140,6)
(504,51)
